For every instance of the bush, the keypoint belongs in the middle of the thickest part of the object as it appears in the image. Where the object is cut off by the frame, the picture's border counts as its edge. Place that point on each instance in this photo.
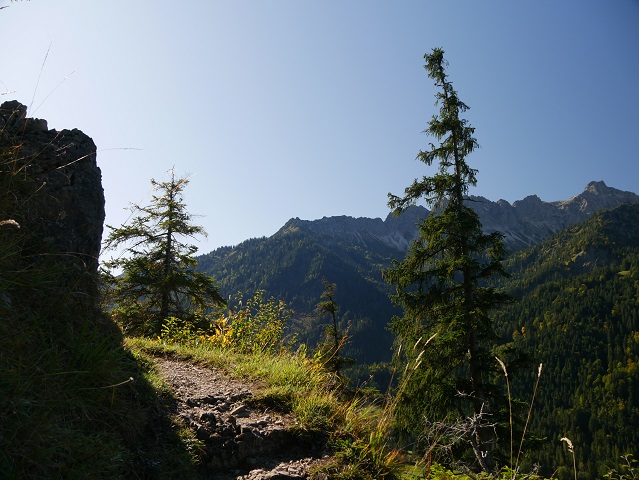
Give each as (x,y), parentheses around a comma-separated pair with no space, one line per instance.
(255,327)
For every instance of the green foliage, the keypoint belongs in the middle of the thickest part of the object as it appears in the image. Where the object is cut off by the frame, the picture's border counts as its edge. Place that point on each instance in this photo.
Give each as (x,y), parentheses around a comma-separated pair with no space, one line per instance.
(158,278)
(291,264)
(440,472)
(440,285)
(328,351)
(258,326)
(361,460)
(579,316)
(254,326)
(629,469)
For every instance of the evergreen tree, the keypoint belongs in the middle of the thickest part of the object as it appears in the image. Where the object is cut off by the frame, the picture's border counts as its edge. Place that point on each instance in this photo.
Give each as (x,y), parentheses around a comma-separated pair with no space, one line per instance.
(440,286)
(158,278)
(329,350)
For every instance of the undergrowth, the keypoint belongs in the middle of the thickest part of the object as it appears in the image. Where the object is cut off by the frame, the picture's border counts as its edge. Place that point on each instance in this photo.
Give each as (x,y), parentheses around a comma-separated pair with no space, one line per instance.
(358,426)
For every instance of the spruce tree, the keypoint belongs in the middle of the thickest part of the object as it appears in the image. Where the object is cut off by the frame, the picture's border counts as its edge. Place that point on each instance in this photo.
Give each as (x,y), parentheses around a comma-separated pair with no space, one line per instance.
(329,349)
(158,278)
(441,286)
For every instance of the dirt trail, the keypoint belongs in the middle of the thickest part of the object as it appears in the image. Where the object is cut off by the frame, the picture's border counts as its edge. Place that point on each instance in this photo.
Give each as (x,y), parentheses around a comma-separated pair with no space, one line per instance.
(241,441)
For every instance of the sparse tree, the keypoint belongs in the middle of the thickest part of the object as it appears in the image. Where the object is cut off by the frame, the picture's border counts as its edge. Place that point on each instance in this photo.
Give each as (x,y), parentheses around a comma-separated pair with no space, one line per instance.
(158,279)
(441,285)
(329,350)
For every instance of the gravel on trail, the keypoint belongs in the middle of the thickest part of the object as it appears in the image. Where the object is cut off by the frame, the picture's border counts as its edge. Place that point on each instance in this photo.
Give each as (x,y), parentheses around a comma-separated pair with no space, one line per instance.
(241,441)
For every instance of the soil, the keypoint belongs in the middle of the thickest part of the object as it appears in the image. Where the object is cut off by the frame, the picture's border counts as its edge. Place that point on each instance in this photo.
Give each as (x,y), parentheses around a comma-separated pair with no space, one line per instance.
(240,439)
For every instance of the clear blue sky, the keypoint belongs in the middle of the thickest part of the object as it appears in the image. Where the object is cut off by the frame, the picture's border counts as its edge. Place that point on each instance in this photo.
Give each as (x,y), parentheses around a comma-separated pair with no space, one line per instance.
(294,108)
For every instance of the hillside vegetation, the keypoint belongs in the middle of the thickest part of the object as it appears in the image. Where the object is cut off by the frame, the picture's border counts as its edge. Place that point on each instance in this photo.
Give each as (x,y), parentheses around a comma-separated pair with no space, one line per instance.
(291,266)
(578,314)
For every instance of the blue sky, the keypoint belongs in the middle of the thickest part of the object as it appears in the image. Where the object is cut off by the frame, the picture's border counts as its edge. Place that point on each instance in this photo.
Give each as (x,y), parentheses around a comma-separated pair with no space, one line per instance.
(293,108)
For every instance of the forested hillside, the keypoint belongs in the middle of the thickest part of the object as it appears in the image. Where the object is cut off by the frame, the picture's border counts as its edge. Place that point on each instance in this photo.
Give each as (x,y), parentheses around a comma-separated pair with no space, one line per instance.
(290,266)
(578,314)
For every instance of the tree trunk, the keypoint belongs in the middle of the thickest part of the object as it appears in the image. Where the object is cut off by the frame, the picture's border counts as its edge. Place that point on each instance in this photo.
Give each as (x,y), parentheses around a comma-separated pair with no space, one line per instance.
(168,251)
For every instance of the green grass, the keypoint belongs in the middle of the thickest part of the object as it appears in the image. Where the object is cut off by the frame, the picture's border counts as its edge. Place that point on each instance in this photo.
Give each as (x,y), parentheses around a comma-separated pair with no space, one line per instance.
(353,426)
(69,409)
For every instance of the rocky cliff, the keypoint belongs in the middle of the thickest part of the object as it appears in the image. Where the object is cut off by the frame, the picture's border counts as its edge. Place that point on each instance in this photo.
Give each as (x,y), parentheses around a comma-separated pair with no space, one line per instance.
(531,220)
(523,223)
(62,169)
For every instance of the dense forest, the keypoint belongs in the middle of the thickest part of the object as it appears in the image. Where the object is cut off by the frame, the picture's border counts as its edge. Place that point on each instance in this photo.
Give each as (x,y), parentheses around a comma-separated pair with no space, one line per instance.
(291,265)
(578,314)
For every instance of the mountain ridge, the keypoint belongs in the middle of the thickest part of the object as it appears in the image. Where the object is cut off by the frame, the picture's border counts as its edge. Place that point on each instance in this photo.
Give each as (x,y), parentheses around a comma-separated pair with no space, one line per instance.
(353,253)
(523,223)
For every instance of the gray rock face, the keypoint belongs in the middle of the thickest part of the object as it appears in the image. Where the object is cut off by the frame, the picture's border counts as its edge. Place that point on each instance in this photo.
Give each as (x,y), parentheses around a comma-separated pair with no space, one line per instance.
(62,165)
(524,223)
(531,220)
(394,232)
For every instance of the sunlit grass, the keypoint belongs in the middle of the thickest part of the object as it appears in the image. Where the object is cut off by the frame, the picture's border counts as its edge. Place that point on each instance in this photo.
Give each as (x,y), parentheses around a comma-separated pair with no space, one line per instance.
(356,428)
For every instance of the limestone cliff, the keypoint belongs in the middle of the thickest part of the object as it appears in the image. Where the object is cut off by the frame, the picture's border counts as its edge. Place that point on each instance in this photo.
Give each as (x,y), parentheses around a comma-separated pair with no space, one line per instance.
(63,171)
(523,223)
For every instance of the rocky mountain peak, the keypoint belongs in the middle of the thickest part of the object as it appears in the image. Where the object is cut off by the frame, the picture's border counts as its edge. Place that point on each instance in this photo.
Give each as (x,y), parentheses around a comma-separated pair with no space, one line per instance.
(598,188)
(396,232)
(524,223)
(597,196)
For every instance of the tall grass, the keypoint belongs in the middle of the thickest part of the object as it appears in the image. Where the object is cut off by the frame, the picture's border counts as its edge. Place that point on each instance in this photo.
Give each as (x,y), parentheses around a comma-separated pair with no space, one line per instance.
(356,427)
(515,468)
(571,449)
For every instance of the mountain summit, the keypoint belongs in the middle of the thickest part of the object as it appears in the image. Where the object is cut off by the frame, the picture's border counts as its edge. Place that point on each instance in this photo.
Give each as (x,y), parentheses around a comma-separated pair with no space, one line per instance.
(523,223)
(531,220)
(394,232)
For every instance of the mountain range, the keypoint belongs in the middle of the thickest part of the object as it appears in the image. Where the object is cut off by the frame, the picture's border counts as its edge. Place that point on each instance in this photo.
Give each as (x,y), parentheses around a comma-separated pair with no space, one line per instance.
(352,252)
(574,272)
(523,223)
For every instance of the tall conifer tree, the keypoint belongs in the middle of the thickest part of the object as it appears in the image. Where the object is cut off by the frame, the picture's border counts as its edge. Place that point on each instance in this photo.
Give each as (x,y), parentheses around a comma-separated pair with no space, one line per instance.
(440,284)
(158,278)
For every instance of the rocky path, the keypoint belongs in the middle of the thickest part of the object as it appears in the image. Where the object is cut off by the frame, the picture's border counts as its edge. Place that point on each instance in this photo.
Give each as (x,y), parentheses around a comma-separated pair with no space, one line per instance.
(240,441)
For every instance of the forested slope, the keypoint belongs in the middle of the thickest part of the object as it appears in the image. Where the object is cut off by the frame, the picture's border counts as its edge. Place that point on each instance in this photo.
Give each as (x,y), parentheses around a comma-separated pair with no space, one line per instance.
(578,314)
(290,266)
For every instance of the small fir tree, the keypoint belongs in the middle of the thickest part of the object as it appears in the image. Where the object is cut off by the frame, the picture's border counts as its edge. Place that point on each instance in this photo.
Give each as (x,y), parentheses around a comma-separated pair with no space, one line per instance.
(440,286)
(329,350)
(158,279)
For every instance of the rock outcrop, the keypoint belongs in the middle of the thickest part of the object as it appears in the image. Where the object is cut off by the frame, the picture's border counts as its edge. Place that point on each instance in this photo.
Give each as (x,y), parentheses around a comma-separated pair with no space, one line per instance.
(63,170)
(531,220)
(524,223)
